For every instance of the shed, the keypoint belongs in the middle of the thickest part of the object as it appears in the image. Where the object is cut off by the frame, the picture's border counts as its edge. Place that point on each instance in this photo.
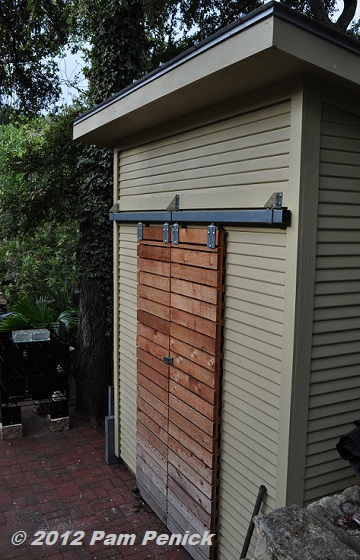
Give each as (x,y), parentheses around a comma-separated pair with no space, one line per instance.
(237,268)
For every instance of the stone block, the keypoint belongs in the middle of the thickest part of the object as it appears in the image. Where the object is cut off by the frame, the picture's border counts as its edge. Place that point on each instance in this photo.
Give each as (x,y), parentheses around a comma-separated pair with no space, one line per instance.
(294,534)
(262,552)
(59,424)
(11,432)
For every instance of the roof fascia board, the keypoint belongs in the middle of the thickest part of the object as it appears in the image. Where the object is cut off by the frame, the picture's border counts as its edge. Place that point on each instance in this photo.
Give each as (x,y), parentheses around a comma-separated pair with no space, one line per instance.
(254,39)
(272,8)
(317,51)
(224,34)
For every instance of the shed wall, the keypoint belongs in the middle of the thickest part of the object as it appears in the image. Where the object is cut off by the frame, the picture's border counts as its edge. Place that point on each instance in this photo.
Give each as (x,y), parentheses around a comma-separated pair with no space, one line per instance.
(334,382)
(127,286)
(254,307)
(238,162)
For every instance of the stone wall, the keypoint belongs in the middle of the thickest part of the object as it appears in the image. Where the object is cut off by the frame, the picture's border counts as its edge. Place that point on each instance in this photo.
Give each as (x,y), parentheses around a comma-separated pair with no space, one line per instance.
(326,530)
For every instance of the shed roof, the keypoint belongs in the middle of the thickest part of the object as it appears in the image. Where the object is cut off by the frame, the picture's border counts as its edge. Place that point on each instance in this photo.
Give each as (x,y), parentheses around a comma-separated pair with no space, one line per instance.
(268,45)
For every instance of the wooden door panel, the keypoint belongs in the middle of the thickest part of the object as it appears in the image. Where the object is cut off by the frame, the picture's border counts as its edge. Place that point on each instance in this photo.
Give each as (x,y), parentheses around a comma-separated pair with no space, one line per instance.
(153,373)
(180,310)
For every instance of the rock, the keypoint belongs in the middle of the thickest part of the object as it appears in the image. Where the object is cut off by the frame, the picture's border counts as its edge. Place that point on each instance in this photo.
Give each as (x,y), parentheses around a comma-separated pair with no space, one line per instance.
(11,432)
(292,533)
(59,424)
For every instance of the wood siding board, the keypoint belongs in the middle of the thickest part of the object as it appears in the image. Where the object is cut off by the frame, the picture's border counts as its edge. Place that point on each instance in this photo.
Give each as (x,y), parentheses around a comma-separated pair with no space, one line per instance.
(158,415)
(154,267)
(154,295)
(198,340)
(271,304)
(194,355)
(125,343)
(192,430)
(191,383)
(195,307)
(266,144)
(248,124)
(192,489)
(218,179)
(261,263)
(190,502)
(154,280)
(156,309)
(159,431)
(333,402)
(254,378)
(160,339)
(268,280)
(342,413)
(270,350)
(191,477)
(150,347)
(195,291)
(157,386)
(191,415)
(336,373)
(158,366)
(153,440)
(194,401)
(154,322)
(250,418)
(255,441)
(193,322)
(177,508)
(335,349)
(154,461)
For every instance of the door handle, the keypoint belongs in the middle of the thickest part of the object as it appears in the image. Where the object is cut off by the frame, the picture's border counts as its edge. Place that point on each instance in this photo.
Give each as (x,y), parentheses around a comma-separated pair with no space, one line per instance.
(168,360)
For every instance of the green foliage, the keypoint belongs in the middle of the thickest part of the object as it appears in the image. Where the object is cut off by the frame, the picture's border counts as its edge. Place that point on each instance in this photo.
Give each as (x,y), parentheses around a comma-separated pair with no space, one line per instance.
(38,313)
(39,176)
(119,45)
(29,264)
(174,25)
(32,33)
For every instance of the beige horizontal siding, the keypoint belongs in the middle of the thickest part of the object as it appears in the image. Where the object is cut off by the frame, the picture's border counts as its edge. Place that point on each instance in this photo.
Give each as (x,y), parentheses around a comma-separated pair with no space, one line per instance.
(334,383)
(251,386)
(238,162)
(127,343)
(207,166)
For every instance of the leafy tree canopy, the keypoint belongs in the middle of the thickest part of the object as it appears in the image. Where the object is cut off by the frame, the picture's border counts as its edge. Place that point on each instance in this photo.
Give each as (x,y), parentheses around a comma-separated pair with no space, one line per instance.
(174,25)
(32,33)
(38,172)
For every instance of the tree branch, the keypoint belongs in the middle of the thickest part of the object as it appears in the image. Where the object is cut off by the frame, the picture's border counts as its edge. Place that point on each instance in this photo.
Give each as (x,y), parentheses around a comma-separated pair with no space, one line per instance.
(320,14)
(347,15)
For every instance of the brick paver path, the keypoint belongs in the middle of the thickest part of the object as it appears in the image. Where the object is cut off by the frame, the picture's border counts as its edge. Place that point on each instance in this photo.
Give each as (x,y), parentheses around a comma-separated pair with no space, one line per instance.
(59,482)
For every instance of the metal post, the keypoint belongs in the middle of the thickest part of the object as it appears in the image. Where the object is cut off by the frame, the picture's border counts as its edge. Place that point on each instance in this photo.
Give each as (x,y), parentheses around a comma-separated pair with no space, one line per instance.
(259,499)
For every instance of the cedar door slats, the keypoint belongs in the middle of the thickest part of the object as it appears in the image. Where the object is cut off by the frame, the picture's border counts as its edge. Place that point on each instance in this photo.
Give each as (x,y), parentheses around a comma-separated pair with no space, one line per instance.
(152,393)
(180,307)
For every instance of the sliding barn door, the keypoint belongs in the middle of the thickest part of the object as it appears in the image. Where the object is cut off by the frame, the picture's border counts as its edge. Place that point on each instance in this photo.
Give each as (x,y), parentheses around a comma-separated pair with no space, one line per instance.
(180,308)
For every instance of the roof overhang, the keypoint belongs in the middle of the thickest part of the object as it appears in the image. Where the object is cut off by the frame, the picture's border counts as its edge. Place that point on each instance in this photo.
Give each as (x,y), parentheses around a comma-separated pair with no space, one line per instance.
(269,45)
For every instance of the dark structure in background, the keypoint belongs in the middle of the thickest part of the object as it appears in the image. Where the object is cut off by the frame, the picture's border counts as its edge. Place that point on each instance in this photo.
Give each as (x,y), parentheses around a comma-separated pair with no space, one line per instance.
(349,447)
(34,365)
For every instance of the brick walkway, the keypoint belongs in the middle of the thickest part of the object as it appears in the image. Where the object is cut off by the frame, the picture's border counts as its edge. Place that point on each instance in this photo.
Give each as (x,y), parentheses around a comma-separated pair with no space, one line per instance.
(59,482)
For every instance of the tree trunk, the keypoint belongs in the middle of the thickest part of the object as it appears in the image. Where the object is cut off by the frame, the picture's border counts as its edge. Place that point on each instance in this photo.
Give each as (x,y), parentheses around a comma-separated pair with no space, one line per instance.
(93,363)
